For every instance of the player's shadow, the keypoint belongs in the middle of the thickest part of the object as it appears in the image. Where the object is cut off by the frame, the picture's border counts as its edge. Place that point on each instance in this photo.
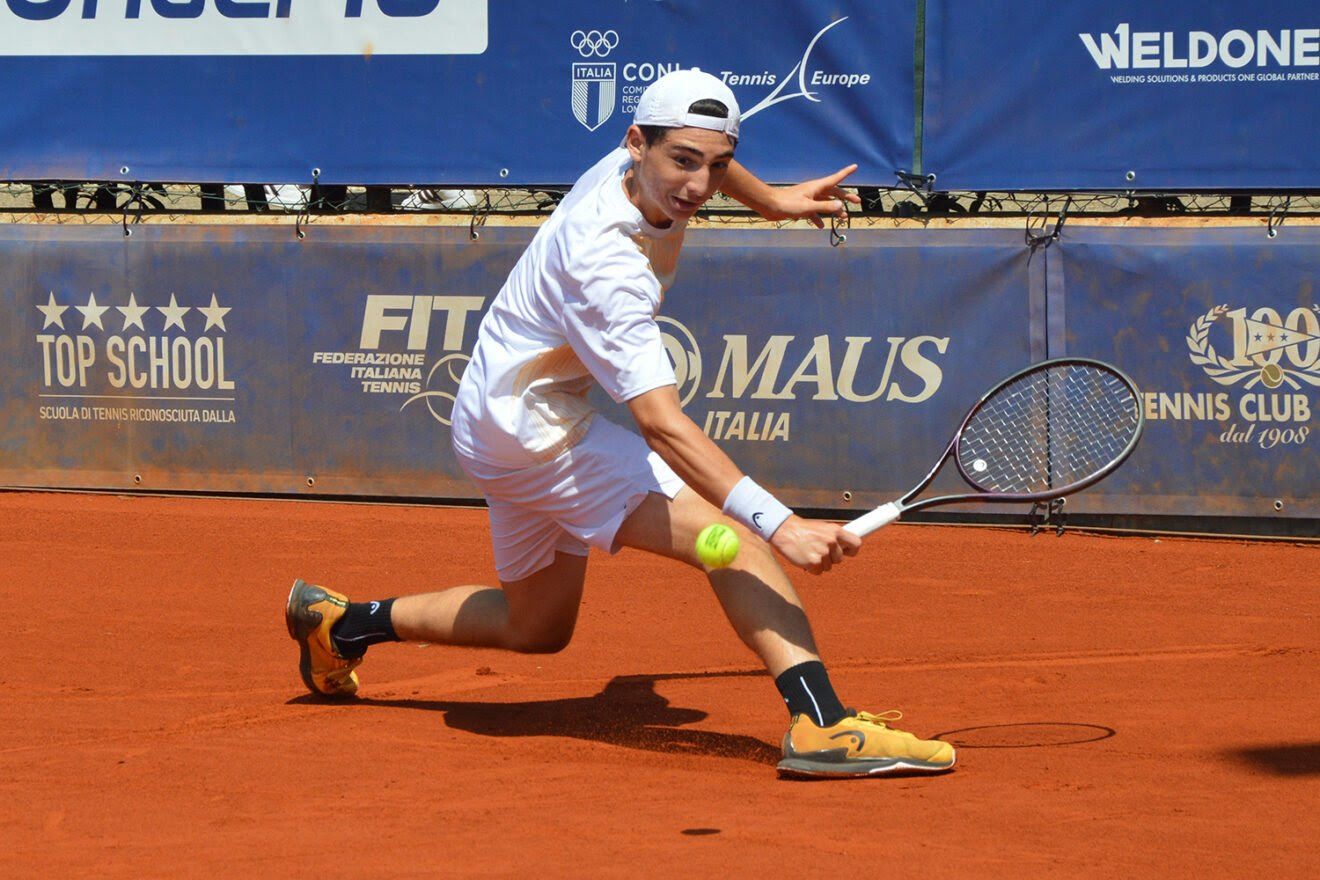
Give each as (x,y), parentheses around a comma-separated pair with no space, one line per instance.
(1299,759)
(627,712)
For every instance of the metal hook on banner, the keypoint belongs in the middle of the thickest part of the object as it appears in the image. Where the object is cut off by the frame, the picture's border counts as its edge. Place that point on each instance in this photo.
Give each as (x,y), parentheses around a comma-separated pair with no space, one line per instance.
(134,198)
(1036,237)
(1046,514)
(836,223)
(1277,215)
(305,212)
(478,220)
(921,184)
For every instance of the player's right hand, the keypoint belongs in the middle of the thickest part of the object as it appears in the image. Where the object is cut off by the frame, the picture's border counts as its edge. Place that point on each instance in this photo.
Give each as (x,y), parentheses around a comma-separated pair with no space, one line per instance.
(813,545)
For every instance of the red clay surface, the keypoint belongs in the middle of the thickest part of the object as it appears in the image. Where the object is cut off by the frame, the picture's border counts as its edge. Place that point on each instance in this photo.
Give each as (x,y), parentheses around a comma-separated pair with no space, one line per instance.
(1124,707)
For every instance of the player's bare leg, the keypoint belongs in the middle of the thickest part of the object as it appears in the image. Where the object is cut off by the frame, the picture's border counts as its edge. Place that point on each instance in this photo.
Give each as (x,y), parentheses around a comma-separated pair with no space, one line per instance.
(534,615)
(756,595)
(823,739)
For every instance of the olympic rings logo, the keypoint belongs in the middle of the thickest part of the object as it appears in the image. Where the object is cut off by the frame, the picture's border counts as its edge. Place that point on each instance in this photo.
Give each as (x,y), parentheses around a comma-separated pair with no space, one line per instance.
(589,43)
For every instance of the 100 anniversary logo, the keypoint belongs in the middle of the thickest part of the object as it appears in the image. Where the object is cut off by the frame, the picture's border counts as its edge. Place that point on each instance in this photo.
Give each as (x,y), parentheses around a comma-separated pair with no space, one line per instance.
(1270,360)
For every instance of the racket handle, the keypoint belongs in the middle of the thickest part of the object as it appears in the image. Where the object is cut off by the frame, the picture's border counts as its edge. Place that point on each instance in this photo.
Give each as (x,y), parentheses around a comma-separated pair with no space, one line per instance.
(876,519)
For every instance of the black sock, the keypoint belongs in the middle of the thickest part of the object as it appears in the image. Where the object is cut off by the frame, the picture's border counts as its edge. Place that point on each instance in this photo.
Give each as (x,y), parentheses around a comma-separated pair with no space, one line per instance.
(363,625)
(807,691)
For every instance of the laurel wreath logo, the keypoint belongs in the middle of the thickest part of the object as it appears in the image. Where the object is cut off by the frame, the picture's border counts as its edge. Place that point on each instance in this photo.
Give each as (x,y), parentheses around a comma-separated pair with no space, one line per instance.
(1225,372)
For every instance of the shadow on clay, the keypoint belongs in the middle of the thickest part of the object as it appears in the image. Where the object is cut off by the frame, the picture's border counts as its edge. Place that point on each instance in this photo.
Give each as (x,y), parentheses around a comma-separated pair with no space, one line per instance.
(627,712)
(1026,735)
(1297,759)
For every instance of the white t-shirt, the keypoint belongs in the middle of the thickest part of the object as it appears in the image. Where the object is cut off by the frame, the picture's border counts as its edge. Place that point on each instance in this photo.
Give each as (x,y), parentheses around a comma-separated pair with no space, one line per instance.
(579,306)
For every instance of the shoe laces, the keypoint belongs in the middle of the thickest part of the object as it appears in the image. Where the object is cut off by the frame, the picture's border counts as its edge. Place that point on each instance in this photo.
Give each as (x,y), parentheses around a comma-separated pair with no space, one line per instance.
(880,719)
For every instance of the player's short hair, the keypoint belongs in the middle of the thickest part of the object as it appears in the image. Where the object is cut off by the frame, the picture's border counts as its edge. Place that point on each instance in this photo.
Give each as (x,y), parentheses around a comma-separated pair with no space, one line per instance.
(653,134)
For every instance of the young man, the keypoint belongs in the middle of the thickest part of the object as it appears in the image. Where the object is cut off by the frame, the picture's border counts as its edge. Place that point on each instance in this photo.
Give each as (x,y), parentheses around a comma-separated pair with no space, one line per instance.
(579,307)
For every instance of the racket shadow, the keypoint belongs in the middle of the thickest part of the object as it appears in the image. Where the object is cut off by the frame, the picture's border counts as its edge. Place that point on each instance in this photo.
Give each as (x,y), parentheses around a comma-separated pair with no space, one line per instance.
(628,712)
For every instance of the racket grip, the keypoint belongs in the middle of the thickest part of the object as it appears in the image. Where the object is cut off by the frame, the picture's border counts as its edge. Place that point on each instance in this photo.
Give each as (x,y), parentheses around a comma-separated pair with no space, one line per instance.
(876,519)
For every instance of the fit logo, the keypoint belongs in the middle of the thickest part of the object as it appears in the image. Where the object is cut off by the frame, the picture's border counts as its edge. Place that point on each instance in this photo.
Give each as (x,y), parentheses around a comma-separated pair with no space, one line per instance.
(397,330)
(387,313)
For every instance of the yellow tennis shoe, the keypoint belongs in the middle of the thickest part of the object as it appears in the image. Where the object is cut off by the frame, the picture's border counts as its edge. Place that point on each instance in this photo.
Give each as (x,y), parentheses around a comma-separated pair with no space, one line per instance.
(860,745)
(310,614)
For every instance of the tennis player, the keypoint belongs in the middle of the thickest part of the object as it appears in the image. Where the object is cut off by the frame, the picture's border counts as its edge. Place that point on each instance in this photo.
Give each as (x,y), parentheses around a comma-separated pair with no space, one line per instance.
(579,308)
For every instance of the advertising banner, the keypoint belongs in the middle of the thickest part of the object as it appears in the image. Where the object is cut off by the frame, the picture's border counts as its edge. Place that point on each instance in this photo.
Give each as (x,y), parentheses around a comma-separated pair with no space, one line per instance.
(243,360)
(1221,331)
(1122,95)
(240,359)
(420,92)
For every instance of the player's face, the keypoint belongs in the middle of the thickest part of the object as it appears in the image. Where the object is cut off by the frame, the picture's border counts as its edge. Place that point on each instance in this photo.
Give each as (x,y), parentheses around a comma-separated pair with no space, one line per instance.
(677,174)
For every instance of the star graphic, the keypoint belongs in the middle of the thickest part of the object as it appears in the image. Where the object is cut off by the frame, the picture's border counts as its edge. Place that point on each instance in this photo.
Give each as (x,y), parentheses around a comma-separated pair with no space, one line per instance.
(92,312)
(53,313)
(215,315)
(1258,337)
(133,313)
(174,313)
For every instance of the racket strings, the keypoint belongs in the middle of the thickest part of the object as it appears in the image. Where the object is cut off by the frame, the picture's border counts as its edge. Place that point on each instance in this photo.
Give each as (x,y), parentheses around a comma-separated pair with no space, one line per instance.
(1051,428)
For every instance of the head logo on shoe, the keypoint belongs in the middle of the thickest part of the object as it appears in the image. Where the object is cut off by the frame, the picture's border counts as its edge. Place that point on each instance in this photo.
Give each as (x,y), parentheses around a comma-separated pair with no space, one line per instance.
(861,737)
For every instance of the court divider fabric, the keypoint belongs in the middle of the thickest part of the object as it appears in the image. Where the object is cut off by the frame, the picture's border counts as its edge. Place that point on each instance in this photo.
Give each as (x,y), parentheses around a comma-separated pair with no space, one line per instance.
(240,359)
(510,92)
(1025,96)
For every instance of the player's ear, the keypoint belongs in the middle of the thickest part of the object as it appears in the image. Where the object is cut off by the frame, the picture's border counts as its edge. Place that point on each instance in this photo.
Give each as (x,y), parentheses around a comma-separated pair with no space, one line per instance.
(635,141)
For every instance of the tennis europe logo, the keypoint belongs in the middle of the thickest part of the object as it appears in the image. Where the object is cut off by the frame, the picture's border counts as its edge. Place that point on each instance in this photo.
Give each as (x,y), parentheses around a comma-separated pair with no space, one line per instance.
(1271,361)
(599,87)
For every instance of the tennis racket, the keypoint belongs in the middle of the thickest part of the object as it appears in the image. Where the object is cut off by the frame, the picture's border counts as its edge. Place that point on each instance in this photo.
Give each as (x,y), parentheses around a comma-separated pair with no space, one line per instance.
(1042,433)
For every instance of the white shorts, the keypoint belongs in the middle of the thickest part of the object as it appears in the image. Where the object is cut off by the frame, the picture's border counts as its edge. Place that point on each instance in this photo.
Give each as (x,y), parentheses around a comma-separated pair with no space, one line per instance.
(572,502)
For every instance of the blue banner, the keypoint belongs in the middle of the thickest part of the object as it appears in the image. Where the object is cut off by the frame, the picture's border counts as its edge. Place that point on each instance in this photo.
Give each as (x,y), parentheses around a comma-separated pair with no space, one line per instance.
(239,359)
(1122,95)
(513,92)
(1220,328)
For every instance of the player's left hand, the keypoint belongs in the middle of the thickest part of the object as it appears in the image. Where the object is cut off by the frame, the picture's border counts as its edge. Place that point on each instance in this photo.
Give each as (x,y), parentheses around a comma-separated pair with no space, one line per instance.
(814,199)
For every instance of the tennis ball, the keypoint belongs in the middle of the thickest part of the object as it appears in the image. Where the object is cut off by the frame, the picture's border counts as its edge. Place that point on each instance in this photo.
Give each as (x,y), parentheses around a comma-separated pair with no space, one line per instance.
(717,545)
(1271,375)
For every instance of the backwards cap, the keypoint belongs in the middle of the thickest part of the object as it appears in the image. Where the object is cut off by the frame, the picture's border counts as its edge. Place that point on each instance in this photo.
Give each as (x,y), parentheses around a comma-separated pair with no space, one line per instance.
(666,101)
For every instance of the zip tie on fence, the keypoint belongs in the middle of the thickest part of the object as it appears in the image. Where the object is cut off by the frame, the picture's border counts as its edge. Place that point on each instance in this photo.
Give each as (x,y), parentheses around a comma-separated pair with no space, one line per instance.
(1037,237)
(478,220)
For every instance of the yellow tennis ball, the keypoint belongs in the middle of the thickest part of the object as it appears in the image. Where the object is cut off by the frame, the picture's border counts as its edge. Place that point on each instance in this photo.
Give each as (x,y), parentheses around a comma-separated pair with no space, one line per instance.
(717,545)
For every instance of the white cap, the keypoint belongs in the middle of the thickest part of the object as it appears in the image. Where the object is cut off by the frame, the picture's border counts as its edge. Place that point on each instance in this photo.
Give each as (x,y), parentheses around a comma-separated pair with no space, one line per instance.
(666,101)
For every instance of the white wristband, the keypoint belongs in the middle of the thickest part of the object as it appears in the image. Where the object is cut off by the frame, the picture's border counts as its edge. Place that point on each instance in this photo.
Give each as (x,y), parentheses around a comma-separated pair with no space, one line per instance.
(755,508)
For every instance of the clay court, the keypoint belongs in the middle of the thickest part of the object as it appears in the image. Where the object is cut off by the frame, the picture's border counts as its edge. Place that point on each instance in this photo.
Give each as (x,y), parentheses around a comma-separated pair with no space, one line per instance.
(1124,706)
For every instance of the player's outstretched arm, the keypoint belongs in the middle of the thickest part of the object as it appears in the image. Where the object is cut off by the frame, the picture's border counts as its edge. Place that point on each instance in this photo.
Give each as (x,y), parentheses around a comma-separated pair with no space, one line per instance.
(809,200)
(809,544)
